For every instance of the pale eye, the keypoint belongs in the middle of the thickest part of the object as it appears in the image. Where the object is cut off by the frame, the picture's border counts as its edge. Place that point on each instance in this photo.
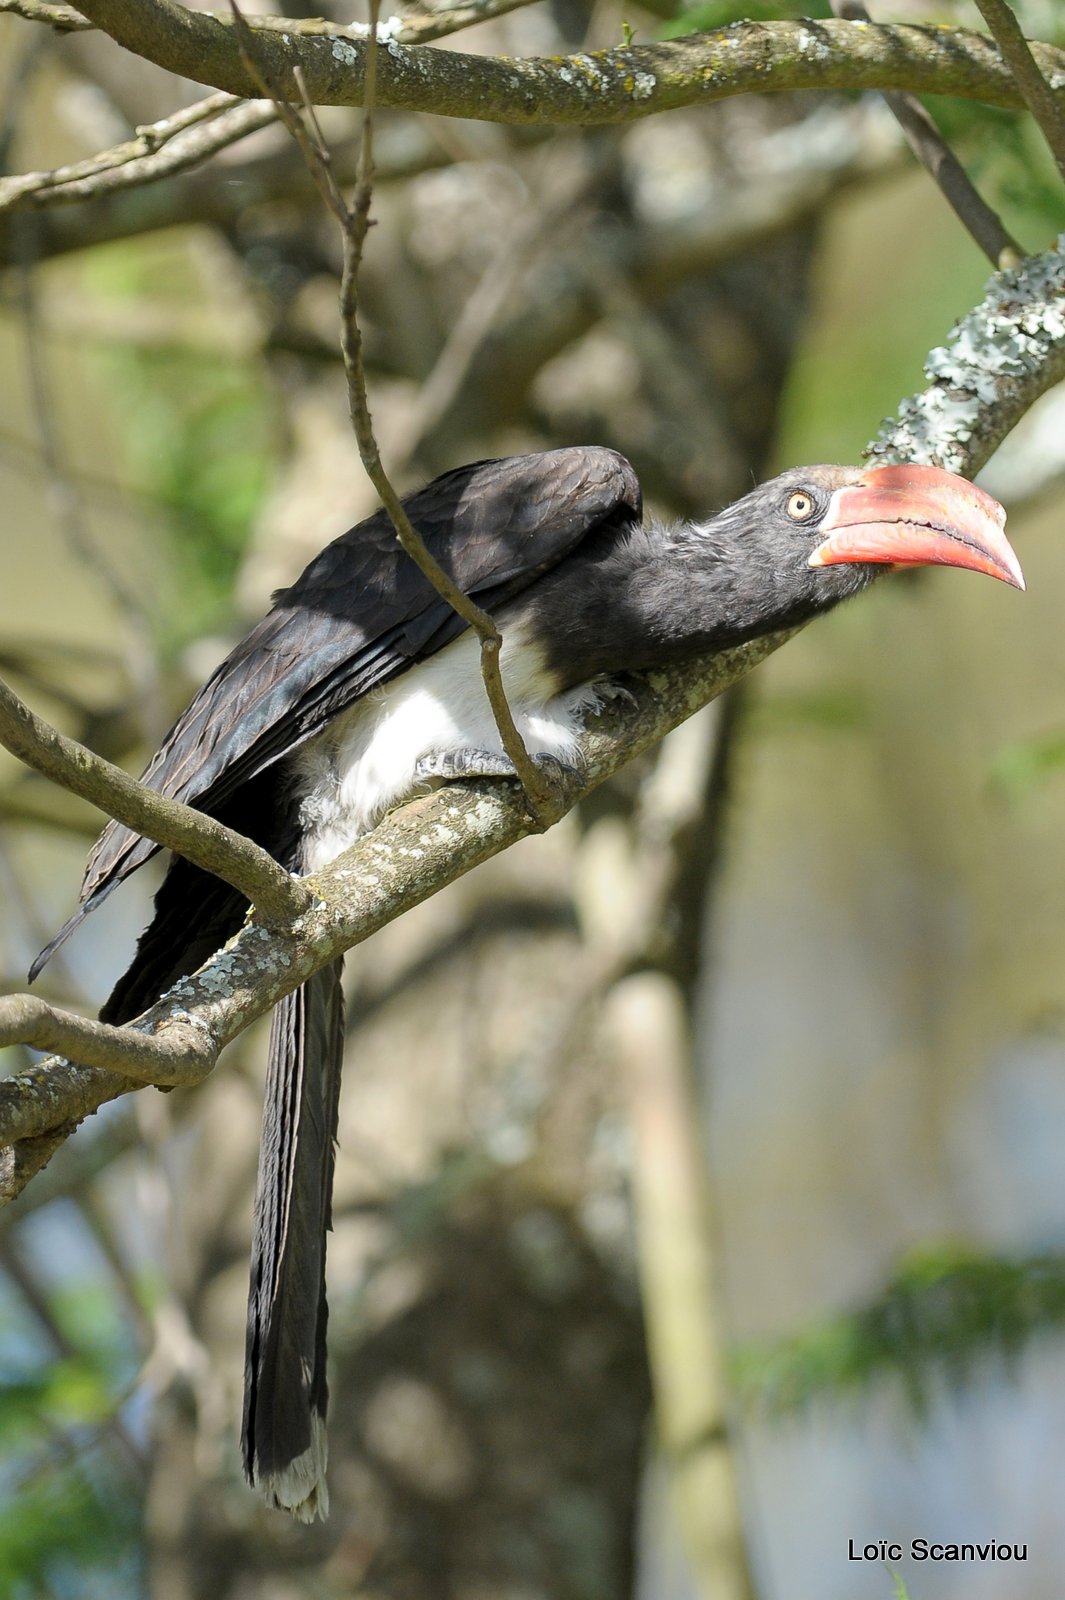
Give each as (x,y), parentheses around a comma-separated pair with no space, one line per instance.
(800,506)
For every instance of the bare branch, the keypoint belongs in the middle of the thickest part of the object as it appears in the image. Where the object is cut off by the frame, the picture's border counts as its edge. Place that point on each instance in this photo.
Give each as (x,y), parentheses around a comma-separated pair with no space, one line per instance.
(156,151)
(509,266)
(590,89)
(1038,93)
(197,837)
(354,223)
(939,160)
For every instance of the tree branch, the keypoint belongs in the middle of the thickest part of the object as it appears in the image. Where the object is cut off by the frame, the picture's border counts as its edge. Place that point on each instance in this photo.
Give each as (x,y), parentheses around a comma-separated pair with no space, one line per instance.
(1006,352)
(938,159)
(177,1053)
(199,838)
(595,88)
(64,19)
(158,150)
(997,361)
(1038,93)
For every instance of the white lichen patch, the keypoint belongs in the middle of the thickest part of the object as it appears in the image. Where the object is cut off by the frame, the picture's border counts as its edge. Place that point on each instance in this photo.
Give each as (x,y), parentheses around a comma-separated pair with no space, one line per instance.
(643,85)
(387,30)
(592,70)
(344,52)
(810,45)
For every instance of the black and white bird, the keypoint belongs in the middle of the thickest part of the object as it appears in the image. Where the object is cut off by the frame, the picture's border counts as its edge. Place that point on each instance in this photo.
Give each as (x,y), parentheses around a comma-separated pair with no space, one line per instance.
(362,686)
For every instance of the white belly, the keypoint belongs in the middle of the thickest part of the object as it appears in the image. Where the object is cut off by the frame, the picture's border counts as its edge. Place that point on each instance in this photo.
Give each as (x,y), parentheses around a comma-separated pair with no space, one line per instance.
(364,762)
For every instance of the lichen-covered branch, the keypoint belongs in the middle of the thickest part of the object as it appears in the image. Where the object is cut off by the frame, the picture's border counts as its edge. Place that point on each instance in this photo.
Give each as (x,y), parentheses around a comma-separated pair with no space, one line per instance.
(410,856)
(198,838)
(999,359)
(593,88)
(177,1053)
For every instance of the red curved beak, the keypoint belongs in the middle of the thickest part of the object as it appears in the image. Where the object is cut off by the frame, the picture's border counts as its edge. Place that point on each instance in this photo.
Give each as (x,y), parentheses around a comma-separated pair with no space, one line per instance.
(915,516)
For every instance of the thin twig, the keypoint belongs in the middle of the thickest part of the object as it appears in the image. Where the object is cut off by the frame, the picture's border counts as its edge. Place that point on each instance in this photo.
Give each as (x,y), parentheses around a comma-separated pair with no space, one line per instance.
(1039,96)
(194,835)
(142,159)
(938,159)
(230,119)
(354,220)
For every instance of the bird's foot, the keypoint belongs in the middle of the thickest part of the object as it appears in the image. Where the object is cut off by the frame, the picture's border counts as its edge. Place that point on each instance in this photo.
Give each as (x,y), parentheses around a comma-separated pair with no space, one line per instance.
(449,766)
(445,766)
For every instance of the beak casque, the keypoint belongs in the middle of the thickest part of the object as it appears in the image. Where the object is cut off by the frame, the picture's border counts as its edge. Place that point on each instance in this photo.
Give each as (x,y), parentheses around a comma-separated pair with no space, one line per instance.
(913,516)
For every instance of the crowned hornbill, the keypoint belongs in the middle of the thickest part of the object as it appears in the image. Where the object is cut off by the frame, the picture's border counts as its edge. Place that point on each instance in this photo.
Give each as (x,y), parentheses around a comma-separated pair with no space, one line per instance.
(362,684)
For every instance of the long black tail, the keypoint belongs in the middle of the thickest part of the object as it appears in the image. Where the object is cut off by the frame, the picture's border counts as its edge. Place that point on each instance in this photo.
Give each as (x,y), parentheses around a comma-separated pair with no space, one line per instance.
(283,1437)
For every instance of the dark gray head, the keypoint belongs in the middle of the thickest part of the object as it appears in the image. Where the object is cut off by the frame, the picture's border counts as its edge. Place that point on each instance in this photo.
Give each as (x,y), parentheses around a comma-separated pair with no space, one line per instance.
(790,549)
(807,539)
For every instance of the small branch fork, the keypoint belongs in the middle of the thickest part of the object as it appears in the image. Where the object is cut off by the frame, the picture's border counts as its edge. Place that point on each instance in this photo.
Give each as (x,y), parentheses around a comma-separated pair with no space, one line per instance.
(191,135)
(354,220)
(936,156)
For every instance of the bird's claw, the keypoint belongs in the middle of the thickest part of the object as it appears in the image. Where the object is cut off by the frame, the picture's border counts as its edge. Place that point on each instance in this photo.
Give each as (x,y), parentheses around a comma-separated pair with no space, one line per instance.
(447,766)
(451,766)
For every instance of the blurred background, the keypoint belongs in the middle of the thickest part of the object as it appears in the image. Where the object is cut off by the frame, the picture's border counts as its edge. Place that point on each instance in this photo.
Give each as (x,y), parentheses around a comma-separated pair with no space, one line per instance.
(700,1201)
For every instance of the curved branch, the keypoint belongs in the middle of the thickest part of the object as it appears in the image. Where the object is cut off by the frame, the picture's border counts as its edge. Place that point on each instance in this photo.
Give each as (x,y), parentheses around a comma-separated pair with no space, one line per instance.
(597,88)
(182,1052)
(199,838)
(1009,350)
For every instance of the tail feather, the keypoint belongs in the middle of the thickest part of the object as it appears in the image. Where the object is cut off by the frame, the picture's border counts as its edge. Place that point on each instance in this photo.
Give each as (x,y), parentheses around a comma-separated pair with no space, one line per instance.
(285,1393)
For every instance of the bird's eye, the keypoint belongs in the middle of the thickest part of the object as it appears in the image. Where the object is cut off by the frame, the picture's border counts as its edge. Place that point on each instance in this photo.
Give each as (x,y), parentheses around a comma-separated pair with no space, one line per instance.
(800,506)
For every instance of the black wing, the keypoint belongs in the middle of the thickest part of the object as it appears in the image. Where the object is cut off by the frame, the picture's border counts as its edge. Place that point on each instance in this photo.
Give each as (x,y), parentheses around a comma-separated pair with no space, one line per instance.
(360,613)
